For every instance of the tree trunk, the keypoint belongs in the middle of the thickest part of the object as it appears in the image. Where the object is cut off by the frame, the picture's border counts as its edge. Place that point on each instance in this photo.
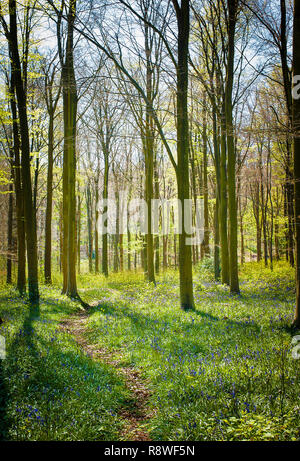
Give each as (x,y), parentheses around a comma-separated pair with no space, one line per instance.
(96,226)
(217,241)
(149,160)
(205,184)
(29,212)
(156,192)
(21,277)
(48,219)
(223,206)
(78,230)
(104,219)
(10,230)
(69,161)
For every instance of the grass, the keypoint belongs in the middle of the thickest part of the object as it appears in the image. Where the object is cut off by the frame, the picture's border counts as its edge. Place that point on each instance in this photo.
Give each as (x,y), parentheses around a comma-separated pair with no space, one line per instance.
(222,372)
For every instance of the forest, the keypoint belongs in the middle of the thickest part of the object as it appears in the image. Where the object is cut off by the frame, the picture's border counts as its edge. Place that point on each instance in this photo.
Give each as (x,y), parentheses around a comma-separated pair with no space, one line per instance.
(150,220)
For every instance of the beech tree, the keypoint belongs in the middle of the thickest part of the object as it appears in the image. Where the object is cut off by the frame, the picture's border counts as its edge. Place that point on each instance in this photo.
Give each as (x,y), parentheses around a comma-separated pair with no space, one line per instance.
(296,151)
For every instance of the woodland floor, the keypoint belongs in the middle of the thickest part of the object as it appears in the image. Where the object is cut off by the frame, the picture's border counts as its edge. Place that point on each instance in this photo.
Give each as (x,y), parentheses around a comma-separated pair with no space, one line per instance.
(136,367)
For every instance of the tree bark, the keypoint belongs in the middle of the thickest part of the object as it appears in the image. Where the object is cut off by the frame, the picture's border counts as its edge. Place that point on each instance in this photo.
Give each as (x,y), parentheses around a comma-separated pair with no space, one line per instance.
(104,219)
(231,152)
(29,212)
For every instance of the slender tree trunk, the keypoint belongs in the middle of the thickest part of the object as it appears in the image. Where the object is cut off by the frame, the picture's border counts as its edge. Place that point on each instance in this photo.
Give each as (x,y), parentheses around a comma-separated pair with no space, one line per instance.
(290,212)
(21,277)
(205,183)
(121,249)
(223,206)
(104,219)
(69,160)
(89,225)
(165,252)
(149,161)
(217,241)
(156,192)
(78,227)
(256,211)
(48,219)
(218,188)
(116,238)
(9,231)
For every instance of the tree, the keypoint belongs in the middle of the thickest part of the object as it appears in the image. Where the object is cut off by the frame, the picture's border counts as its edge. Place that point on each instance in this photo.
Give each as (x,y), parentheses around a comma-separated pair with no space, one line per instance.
(19,80)
(69,92)
(231,151)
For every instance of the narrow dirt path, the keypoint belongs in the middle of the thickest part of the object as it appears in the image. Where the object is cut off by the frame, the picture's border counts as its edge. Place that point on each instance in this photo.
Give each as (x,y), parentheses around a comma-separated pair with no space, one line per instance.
(138,413)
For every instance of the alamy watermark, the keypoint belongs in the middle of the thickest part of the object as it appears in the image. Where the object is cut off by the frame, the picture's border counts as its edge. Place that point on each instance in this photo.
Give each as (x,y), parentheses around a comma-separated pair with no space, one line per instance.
(2,348)
(166,215)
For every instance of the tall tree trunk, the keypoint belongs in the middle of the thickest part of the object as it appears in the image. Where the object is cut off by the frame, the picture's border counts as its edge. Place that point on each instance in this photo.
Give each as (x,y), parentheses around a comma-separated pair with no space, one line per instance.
(218,188)
(156,193)
(116,237)
(231,152)
(96,226)
(48,219)
(89,225)
(185,257)
(223,206)
(78,227)
(29,212)
(205,183)
(21,277)
(69,160)
(217,241)
(10,229)
(165,252)
(149,160)
(104,219)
